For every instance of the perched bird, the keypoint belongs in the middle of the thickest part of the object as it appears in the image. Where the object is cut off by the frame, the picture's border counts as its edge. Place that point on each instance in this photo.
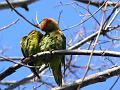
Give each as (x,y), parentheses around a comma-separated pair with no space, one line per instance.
(30,46)
(53,39)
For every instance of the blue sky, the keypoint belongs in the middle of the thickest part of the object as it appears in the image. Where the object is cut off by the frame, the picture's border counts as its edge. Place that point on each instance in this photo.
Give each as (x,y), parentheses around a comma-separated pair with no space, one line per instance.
(10,38)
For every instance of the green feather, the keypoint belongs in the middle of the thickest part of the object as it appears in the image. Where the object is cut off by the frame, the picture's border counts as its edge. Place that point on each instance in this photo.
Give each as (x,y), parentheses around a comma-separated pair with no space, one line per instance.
(23,45)
(30,46)
(54,41)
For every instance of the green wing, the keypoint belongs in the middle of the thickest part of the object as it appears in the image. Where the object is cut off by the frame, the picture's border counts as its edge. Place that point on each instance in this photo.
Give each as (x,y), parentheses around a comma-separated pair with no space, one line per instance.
(34,38)
(54,41)
(23,45)
(30,46)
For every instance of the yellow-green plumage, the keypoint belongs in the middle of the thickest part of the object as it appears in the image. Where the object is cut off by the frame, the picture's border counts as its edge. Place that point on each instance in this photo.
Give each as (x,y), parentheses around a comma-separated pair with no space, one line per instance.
(54,39)
(30,46)
(23,44)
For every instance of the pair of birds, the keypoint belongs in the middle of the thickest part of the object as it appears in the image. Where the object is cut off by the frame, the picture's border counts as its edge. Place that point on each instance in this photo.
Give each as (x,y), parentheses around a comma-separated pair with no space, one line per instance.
(53,39)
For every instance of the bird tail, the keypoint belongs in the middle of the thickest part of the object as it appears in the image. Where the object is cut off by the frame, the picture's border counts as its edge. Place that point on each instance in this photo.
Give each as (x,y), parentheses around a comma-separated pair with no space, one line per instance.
(34,70)
(56,69)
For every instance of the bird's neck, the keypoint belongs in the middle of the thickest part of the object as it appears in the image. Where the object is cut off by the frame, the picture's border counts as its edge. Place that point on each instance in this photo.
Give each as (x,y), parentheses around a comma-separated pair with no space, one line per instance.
(53,30)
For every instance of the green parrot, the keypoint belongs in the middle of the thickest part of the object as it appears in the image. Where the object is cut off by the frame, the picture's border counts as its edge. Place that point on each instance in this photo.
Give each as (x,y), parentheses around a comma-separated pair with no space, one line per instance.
(30,46)
(53,39)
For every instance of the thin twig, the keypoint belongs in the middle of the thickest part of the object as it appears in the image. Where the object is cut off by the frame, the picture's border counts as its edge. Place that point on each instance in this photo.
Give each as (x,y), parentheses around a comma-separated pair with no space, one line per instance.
(7,26)
(89,13)
(12,7)
(25,80)
(115,82)
(12,58)
(13,61)
(86,19)
(77,45)
(60,13)
(97,3)
(90,58)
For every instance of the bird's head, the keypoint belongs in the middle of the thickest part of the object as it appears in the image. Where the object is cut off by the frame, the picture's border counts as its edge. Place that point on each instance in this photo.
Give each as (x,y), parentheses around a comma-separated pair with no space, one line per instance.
(48,25)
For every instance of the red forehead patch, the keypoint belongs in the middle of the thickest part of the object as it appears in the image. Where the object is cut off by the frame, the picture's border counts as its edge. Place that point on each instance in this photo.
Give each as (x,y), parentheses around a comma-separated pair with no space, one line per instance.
(45,23)
(48,21)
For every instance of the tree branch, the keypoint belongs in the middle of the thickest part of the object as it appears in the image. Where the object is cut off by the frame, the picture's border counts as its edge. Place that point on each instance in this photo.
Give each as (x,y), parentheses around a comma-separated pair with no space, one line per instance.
(27,79)
(17,3)
(106,28)
(91,79)
(12,7)
(13,69)
(97,3)
(7,26)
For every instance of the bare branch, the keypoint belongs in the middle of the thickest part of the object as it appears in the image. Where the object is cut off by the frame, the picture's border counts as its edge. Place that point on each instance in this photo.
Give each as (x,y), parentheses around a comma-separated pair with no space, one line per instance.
(115,82)
(97,3)
(12,7)
(13,69)
(9,71)
(85,19)
(11,58)
(91,79)
(9,25)
(17,3)
(93,48)
(27,79)
(77,45)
